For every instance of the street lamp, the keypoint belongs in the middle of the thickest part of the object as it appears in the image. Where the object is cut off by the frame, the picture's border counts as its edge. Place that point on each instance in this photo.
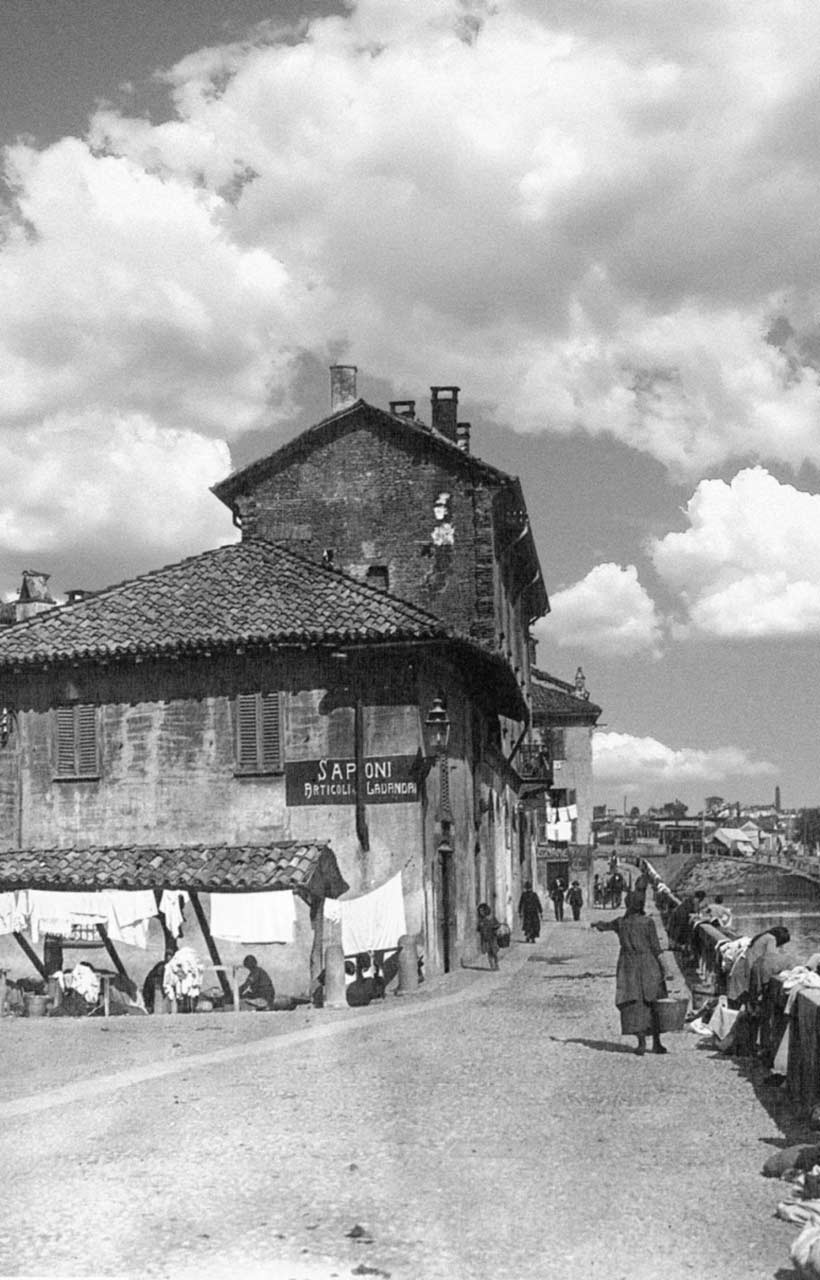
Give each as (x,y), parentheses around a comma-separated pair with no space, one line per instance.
(437,727)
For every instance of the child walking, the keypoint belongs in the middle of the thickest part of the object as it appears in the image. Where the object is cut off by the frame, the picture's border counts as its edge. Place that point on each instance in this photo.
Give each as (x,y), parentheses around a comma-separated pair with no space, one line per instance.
(488,933)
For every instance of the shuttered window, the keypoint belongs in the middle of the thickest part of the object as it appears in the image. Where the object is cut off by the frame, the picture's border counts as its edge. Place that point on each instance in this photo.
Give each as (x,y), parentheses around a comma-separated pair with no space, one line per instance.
(259,737)
(77,752)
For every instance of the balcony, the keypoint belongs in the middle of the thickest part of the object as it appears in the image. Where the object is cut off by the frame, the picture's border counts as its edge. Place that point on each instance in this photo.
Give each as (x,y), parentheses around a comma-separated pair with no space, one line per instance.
(533,764)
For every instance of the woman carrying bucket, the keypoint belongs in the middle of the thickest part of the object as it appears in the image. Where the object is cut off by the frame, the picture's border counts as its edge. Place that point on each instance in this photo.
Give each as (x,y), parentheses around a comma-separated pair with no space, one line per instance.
(639,978)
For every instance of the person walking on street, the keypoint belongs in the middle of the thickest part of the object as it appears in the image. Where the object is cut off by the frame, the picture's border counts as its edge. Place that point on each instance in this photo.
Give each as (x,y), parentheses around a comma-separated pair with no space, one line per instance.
(530,911)
(488,933)
(639,977)
(557,895)
(575,898)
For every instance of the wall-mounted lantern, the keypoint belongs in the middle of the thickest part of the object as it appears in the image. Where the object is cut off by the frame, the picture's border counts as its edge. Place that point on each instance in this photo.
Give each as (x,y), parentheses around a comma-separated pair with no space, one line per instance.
(437,727)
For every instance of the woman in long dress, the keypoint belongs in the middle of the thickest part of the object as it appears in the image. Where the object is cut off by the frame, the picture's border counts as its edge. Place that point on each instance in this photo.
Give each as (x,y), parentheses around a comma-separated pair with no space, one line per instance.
(639,978)
(530,911)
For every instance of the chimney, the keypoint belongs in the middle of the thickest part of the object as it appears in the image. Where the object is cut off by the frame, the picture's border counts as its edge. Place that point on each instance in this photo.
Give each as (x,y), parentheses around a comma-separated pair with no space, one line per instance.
(403,408)
(34,595)
(444,402)
(342,386)
(463,436)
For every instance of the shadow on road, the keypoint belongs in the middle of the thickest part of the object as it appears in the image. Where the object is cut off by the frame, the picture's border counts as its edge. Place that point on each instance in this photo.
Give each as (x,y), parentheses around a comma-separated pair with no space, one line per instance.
(603,1046)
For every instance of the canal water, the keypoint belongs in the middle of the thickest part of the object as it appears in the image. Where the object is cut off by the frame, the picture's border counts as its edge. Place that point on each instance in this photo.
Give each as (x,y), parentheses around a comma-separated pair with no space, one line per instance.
(799,912)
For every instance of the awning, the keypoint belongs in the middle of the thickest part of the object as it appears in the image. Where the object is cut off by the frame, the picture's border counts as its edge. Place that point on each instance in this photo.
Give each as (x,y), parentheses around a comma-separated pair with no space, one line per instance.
(311,870)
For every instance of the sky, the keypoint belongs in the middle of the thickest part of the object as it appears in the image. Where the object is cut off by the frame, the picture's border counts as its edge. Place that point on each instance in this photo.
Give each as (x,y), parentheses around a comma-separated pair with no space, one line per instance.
(598,220)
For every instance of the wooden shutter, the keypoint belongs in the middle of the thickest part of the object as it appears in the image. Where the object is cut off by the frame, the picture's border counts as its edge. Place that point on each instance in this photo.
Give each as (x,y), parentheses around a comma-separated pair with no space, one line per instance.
(270,755)
(259,732)
(65,742)
(86,741)
(246,731)
(77,755)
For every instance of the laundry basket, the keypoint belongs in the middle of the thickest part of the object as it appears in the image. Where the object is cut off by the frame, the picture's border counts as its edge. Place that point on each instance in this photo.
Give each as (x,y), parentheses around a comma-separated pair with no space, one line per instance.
(671,1012)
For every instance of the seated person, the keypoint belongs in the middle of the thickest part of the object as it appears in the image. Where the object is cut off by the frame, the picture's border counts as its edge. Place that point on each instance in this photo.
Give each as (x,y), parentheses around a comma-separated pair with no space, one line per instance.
(365,986)
(257,990)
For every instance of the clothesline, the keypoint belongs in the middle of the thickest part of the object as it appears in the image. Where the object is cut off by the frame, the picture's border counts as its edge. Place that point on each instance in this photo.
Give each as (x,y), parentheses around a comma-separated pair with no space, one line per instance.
(249,917)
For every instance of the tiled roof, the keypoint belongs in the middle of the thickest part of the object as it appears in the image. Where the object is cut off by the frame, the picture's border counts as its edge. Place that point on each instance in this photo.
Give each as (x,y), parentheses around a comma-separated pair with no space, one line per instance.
(310,870)
(246,593)
(553,697)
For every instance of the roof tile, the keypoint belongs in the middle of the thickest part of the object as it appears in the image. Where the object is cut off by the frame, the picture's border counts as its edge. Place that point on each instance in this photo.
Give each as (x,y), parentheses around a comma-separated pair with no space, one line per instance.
(308,869)
(248,593)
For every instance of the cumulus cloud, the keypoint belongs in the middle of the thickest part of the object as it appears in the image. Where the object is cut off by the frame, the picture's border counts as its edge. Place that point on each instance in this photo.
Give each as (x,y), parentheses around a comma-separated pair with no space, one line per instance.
(633,763)
(587,216)
(749,563)
(96,483)
(608,612)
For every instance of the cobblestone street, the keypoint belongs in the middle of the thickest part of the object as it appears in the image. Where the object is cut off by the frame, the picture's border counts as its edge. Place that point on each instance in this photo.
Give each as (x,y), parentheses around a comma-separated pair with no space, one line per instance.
(493,1125)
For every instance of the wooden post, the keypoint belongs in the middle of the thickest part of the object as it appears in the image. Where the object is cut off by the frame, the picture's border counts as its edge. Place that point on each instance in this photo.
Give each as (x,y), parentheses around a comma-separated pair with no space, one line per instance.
(112,952)
(317,919)
(361,782)
(32,954)
(211,945)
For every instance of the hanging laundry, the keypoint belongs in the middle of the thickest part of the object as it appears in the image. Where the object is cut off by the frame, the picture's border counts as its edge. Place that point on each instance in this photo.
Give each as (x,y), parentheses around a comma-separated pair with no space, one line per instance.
(170,905)
(253,917)
(7,912)
(64,913)
(22,911)
(375,921)
(128,914)
(572,812)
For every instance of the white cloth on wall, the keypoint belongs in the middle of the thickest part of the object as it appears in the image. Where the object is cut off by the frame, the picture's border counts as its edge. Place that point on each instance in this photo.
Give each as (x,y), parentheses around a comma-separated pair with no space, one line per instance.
(559,831)
(373,922)
(169,905)
(572,812)
(253,917)
(8,908)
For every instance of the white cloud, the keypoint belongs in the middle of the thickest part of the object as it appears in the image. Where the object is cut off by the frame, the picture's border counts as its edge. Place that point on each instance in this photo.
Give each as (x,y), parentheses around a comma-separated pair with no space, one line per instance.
(584,218)
(103,486)
(636,764)
(608,612)
(585,215)
(749,563)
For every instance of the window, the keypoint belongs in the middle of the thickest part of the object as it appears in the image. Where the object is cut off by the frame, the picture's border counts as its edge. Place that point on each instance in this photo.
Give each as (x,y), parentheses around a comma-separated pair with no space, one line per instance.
(77,754)
(556,741)
(378,577)
(259,738)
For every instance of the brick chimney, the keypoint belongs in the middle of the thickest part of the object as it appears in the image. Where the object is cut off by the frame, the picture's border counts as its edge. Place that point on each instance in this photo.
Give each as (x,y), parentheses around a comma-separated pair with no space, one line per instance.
(403,408)
(463,436)
(342,386)
(444,403)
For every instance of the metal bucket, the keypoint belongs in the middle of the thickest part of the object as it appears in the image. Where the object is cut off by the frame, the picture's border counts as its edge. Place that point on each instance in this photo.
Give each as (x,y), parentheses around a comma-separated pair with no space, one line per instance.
(671,1013)
(36,1005)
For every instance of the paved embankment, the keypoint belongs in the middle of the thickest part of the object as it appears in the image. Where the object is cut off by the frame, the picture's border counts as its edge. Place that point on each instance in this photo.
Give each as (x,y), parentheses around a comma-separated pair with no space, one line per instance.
(491,1126)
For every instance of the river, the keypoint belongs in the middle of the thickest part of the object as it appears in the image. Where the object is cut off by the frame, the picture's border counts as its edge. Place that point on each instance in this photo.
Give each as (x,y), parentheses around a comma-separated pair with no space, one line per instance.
(800,913)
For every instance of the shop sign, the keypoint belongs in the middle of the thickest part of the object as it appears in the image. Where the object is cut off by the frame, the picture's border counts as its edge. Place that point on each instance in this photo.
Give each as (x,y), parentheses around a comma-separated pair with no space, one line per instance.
(387,780)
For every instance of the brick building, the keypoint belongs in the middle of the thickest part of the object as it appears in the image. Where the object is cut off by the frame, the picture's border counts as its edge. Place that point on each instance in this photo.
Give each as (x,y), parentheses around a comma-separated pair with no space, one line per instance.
(563,721)
(276,695)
